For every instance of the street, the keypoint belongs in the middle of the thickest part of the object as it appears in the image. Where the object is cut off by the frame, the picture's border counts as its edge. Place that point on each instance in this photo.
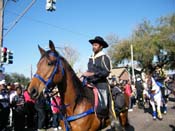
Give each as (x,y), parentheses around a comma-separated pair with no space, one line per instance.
(140,121)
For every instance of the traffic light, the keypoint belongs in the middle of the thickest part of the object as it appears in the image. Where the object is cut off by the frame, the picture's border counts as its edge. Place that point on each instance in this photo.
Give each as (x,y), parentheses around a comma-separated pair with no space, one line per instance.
(50,5)
(3,54)
(6,56)
(9,57)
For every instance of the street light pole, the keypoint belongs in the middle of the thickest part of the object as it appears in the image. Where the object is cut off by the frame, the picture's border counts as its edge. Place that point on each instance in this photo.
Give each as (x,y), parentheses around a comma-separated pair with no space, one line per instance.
(1,22)
(1,26)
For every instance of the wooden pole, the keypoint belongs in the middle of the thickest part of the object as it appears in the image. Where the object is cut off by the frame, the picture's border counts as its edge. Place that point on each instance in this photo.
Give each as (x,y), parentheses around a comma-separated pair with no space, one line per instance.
(1,26)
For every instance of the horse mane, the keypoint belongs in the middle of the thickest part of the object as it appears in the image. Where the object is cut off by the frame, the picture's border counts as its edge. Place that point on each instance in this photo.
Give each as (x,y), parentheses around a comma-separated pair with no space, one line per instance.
(81,90)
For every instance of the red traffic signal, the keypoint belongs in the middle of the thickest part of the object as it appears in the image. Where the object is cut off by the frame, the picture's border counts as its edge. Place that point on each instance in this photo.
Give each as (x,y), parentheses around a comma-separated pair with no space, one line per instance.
(3,54)
(6,56)
(4,49)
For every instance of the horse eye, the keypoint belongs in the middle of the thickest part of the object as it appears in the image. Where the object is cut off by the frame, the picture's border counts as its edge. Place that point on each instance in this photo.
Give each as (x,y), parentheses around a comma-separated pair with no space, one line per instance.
(50,63)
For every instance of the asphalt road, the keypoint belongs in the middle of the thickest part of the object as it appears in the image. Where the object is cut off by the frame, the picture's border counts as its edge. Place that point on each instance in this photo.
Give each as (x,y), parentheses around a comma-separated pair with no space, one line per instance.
(141,120)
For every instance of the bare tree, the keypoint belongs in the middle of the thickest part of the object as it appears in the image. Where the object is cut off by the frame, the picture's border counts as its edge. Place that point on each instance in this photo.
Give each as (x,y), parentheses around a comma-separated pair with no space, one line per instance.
(70,54)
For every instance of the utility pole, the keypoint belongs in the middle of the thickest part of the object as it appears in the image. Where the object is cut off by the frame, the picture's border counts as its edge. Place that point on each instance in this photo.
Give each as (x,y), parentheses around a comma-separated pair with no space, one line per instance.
(1,26)
(1,21)
(132,64)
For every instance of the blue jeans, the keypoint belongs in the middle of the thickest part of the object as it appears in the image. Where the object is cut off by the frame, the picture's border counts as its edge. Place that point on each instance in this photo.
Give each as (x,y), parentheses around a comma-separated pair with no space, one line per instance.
(56,119)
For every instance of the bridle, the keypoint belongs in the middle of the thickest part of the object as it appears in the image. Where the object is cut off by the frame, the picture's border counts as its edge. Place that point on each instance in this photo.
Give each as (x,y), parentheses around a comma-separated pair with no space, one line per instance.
(48,83)
(49,88)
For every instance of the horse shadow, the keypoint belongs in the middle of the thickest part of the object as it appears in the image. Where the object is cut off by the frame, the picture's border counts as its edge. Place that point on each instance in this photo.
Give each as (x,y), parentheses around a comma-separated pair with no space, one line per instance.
(130,128)
(147,109)
(173,127)
(172,99)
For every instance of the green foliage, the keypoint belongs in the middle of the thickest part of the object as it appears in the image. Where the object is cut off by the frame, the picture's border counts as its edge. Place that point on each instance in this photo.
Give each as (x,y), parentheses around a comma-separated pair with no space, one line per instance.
(15,77)
(148,41)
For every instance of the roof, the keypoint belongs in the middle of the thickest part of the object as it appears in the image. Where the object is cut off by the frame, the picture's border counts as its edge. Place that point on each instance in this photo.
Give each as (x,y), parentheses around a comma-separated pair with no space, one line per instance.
(118,71)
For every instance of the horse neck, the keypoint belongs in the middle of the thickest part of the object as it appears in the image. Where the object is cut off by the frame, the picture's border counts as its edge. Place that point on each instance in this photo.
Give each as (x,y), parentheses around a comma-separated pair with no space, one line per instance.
(69,95)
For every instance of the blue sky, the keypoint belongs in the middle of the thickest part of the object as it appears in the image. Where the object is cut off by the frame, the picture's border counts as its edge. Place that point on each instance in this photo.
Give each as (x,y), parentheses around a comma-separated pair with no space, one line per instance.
(73,23)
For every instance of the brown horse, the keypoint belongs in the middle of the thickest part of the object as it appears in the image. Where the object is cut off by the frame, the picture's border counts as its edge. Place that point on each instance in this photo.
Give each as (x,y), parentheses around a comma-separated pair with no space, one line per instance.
(122,110)
(123,114)
(121,103)
(78,102)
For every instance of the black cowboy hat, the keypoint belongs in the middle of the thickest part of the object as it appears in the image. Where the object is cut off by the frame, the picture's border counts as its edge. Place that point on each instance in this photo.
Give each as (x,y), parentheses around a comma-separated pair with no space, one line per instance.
(100,41)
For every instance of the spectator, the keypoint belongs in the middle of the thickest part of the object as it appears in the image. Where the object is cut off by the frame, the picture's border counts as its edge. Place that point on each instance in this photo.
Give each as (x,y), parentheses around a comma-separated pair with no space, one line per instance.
(55,106)
(12,93)
(133,95)
(18,110)
(4,106)
(128,92)
(40,106)
(30,110)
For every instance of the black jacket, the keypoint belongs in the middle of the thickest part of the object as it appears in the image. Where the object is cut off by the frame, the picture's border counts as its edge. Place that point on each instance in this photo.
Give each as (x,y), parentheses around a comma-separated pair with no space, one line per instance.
(101,67)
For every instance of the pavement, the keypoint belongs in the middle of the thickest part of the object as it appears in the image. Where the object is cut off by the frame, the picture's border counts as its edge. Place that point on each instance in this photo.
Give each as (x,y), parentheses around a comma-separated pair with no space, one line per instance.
(141,120)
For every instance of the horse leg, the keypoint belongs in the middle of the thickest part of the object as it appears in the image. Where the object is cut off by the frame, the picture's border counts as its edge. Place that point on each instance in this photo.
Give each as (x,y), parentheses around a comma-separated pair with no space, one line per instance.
(123,119)
(158,101)
(154,109)
(165,104)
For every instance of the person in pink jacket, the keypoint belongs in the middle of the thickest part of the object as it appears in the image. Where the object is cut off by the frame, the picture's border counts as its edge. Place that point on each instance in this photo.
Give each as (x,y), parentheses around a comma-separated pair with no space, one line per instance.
(55,106)
(128,92)
(30,110)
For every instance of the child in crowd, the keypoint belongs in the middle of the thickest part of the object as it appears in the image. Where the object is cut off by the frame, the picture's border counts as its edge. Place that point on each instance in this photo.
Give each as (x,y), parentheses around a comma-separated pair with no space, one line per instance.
(55,106)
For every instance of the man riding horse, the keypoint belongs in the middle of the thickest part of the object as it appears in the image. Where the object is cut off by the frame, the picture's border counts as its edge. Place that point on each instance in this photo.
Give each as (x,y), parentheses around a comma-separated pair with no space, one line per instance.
(98,70)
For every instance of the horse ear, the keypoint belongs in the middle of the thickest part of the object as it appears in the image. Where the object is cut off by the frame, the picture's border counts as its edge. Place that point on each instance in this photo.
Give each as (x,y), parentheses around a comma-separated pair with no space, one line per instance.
(51,45)
(42,51)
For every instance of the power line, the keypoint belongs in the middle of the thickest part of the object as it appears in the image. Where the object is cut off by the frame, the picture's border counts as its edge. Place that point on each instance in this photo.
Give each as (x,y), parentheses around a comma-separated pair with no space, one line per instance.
(19,17)
(54,26)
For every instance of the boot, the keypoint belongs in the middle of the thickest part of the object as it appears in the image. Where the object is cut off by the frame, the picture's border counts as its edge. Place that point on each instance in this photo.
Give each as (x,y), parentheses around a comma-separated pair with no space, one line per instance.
(154,115)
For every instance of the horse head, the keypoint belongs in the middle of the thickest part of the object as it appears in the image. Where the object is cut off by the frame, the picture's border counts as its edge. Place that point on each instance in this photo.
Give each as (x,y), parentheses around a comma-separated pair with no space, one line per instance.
(49,72)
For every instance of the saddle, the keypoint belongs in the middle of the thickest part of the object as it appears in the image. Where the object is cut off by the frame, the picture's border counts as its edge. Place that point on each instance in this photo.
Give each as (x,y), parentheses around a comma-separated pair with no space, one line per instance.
(101,109)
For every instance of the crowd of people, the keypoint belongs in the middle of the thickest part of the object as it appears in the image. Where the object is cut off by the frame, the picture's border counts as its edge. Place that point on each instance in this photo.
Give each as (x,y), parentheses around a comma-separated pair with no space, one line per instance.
(19,112)
(148,90)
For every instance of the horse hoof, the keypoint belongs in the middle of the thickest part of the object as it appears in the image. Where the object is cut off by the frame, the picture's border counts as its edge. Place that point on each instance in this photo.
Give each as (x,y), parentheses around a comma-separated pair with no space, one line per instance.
(165,112)
(160,119)
(154,118)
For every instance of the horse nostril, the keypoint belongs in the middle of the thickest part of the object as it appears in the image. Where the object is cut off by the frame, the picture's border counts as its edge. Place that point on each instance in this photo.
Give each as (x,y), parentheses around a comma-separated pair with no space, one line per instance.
(34,92)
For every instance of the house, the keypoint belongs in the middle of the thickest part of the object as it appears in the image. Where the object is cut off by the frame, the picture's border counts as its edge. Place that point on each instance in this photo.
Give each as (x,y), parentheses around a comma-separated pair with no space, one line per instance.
(121,73)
